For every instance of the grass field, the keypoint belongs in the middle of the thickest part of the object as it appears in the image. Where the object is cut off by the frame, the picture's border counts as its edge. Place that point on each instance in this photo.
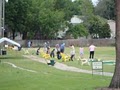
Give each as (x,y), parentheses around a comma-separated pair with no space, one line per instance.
(47,77)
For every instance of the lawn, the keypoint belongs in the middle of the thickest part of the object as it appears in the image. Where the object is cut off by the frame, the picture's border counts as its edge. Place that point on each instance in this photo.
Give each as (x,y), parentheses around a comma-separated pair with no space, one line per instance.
(102,53)
(47,77)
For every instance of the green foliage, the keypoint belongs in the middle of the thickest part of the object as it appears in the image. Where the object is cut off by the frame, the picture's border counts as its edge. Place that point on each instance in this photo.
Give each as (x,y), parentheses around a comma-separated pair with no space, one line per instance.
(51,22)
(98,27)
(65,6)
(78,30)
(106,9)
(84,7)
(44,18)
(105,31)
(16,14)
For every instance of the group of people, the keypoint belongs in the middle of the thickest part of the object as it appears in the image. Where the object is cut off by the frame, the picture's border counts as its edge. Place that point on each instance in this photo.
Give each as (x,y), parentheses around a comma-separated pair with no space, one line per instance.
(60,48)
(91,50)
(81,52)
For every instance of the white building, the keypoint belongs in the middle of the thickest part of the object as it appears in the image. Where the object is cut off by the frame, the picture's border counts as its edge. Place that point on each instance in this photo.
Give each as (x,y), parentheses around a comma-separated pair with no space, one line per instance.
(112,25)
(74,20)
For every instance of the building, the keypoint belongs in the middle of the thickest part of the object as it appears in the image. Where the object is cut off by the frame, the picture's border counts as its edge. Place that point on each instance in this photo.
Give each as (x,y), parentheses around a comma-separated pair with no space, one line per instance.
(74,20)
(112,25)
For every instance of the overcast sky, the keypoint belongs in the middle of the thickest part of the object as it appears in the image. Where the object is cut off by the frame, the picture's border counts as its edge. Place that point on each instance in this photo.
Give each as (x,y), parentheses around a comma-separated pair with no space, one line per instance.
(94,2)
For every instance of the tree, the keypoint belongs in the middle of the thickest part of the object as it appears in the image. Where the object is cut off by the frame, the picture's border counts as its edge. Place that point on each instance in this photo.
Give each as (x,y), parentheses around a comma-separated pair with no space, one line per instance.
(76,31)
(51,25)
(43,18)
(16,15)
(51,20)
(115,82)
(97,26)
(106,9)
(30,17)
(83,7)
(105,31)
(65,6)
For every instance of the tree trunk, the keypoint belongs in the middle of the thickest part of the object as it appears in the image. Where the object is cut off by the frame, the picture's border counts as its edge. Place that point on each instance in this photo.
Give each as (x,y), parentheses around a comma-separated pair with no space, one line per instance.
(13,35)
(115,82)
(24,35)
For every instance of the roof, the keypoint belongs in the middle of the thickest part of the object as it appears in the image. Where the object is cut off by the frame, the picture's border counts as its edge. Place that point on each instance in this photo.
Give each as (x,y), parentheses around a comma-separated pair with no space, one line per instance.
(10,41)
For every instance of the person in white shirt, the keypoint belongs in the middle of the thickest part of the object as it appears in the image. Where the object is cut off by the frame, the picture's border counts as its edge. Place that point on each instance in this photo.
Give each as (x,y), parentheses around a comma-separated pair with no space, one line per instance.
(92,50)
(72,52)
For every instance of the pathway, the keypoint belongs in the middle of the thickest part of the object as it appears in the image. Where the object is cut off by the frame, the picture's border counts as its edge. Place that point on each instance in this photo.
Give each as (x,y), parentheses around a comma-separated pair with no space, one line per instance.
(62,66)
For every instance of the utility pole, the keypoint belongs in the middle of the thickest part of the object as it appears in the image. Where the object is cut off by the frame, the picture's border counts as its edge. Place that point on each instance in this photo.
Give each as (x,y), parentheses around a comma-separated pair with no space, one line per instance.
(0,22)
(1,18)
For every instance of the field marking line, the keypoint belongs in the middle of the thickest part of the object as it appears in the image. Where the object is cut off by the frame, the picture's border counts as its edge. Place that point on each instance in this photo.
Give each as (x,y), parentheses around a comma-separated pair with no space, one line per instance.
(13,65)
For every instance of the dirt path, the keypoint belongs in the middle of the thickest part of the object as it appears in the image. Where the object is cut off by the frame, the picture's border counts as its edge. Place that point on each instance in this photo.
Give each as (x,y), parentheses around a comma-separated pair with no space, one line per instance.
(62,66)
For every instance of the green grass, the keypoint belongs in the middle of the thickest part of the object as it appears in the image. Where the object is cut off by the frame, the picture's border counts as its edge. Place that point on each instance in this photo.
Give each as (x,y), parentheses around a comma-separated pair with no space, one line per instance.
(49,78)
(103,53)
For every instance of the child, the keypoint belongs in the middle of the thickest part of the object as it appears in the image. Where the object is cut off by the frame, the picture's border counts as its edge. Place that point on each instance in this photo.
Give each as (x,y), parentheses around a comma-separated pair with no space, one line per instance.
(48,50)
(81,52)
(37,53)
(52,54)
(58,51)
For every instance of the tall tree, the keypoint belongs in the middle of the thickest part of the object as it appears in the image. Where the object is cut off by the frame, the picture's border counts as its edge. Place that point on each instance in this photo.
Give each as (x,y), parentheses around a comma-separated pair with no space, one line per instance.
(83,7)
(115,82)
(76,31)
(66,6)
(98,27)
(106,9)
(44,17)
(50,19)
(16,15)
(105,31)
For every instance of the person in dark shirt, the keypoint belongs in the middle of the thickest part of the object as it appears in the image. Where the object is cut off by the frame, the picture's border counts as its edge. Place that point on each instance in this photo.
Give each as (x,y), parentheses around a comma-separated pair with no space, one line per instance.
(52,54)
(58,51)
(37,52)
(62,48)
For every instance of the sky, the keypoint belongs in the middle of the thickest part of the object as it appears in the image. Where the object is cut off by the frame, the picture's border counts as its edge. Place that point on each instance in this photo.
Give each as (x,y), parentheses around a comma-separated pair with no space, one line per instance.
(94,2)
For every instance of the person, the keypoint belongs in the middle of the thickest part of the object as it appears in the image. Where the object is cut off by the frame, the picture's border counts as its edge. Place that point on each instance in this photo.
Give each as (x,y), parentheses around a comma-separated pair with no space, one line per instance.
(37,52)
(48,47)
(45,47)
(72,52)
(48,50)
(81,52)
(58,51)
(92,50)
(62,47)
(29,44)
(48,44)
(52,54)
